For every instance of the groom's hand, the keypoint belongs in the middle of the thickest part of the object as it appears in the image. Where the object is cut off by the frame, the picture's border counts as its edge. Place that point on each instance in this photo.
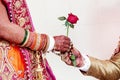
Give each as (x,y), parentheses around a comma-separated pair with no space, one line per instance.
(78,57)
(117,50)
(62,43)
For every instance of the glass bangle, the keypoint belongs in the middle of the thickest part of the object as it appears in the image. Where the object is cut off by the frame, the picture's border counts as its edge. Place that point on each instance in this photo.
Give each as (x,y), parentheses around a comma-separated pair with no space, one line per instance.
(25,37)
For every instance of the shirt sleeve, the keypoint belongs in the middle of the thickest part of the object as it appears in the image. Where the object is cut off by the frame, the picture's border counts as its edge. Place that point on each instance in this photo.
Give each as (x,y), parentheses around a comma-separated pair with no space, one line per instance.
(51,44)
(86,62)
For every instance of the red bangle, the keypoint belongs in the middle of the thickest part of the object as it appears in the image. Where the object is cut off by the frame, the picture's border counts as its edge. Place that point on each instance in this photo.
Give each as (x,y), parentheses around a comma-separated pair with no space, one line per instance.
(34,42)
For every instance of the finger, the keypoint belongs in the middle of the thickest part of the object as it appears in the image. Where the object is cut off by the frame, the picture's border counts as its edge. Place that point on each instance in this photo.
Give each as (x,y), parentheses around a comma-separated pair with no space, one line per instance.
(64,49)
(68,61)
(76,53)
(66,38)
(116,50)
(57,47)
(79,62)
(66,42)
(63,56)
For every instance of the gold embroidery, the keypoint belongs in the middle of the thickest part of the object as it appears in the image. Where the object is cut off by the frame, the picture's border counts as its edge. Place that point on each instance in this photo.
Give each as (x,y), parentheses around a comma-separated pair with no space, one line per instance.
(4,44)
(22,21)
(27,27)
(21,14)
(18,4)
(6,69)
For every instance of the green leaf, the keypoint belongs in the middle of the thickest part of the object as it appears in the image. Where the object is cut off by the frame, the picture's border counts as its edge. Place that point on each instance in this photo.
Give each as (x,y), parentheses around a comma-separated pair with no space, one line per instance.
(72,57)
(66,23)
(74,63)
(71,25)
(62,18)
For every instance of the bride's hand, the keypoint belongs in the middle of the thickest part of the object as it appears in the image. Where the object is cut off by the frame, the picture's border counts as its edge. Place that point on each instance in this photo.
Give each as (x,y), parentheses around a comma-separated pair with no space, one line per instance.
(62,43)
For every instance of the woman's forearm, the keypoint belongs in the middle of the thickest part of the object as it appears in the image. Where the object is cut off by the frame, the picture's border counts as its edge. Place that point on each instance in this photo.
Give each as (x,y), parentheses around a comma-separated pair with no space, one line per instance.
(14,33)
(9,31)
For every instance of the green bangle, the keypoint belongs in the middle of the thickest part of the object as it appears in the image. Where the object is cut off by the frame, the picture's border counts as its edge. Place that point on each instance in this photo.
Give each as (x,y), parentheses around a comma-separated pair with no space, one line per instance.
(25,37)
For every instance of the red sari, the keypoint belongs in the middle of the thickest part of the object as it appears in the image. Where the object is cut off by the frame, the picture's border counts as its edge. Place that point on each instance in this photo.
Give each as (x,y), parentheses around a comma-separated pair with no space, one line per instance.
(17,63)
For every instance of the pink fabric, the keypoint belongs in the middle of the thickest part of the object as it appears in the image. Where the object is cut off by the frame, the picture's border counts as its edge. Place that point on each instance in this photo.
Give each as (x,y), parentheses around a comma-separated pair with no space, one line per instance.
(16,9)
(49,71)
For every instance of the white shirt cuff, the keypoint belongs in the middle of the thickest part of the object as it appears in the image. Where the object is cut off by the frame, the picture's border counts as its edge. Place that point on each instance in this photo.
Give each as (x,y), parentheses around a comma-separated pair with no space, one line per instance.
(87,63)
(51,43)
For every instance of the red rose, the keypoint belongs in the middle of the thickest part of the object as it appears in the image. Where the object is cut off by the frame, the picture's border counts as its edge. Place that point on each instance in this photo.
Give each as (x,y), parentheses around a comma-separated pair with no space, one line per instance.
(72,18)
(69,21)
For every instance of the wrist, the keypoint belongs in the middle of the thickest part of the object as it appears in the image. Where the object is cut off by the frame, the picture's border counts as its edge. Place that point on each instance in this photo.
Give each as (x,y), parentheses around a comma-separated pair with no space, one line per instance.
(51,43)
(36,41)
(81,62)
(85,63)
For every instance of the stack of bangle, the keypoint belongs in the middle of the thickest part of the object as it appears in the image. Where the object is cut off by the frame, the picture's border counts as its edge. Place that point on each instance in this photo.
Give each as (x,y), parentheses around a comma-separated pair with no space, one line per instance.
(35,41)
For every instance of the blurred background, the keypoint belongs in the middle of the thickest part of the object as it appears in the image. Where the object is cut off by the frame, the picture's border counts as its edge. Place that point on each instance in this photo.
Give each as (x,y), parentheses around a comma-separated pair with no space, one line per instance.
(96,33)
